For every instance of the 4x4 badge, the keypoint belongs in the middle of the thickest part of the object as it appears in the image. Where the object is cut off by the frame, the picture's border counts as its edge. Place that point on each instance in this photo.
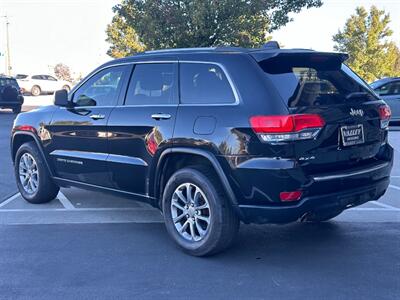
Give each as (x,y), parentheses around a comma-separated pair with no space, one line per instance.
(356,112)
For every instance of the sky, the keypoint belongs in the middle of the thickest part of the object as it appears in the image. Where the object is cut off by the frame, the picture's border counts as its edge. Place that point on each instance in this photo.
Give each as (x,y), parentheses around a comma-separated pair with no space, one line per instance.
(46,32)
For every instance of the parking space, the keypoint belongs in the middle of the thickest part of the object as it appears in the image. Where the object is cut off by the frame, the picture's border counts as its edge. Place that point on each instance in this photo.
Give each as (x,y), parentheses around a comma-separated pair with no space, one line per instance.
(93,245)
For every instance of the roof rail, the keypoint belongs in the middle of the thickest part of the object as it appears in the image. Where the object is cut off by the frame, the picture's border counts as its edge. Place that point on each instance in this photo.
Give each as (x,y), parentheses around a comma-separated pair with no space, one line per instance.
(179,50)
(271,45)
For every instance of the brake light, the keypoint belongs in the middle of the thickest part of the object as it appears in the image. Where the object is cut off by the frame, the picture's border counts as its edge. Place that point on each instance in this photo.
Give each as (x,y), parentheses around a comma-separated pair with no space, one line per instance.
(287,127)
(290,196)
(384,114)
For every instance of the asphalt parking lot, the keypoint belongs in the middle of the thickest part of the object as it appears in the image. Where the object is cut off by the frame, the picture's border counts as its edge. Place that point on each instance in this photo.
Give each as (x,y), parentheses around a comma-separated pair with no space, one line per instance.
(91,245)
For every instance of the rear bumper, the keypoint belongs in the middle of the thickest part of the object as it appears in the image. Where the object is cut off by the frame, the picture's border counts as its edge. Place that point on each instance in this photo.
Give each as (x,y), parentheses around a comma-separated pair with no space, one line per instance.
(340,200)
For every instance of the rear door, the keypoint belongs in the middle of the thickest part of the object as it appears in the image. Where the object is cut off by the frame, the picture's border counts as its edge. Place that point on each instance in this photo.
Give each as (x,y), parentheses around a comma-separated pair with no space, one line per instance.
(321,84)
(142,126)
(78,146)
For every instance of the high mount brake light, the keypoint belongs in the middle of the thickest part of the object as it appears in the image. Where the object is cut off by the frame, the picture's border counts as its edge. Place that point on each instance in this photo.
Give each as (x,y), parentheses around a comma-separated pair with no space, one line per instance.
(288,127)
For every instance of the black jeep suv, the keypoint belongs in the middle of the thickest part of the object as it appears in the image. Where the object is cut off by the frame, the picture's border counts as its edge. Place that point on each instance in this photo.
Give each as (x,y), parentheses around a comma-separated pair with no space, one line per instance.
(212,137)
(10,94)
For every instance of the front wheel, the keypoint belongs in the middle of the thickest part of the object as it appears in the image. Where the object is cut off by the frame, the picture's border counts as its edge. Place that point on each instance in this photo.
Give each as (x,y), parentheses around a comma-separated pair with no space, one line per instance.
(197,213)
(33,179)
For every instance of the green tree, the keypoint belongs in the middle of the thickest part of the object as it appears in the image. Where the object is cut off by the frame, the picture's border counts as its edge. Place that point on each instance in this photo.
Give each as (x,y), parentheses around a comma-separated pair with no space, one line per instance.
(157,24)
(365,37)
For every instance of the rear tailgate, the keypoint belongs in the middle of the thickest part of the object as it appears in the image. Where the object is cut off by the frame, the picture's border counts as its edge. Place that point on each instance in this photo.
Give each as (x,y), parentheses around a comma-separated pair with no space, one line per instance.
(320,84)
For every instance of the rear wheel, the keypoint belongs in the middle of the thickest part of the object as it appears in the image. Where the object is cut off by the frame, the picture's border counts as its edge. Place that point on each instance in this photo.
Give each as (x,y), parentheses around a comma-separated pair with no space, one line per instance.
(33,179)
(197,214)
(35,91)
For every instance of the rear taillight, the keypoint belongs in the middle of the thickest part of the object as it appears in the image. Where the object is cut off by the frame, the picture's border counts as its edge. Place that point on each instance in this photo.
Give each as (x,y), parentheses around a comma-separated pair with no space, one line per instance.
(385,114)
(287,128)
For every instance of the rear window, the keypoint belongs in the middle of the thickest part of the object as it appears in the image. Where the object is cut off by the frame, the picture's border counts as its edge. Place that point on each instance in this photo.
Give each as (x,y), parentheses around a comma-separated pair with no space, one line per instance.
(312,81)
(9,81)
(203,83)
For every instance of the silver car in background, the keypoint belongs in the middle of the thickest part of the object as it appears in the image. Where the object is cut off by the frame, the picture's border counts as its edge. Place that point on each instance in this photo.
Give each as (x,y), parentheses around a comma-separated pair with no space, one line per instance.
(39,84)
(389,90)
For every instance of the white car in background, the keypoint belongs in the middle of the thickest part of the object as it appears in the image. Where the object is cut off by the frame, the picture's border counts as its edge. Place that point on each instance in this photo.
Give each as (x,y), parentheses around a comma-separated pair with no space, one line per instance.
(38,84)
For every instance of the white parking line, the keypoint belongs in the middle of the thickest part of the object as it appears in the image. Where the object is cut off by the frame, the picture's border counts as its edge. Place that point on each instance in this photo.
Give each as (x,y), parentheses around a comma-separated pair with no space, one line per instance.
(375,209)
(78,209)
(386,206)
(394,187)
(9,200)
(64,201)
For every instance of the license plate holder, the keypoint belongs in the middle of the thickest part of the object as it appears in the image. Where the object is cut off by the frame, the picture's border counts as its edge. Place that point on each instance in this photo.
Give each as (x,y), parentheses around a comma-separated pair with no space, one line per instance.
(352,135)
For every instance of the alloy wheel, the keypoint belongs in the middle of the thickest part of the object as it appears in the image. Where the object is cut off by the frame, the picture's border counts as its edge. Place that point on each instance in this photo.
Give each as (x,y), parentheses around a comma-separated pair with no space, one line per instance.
(28,173)
(191,212)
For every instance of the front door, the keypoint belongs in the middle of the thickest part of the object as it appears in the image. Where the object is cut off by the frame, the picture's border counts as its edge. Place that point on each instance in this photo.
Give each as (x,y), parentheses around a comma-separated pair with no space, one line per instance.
(79,140)
(142,125)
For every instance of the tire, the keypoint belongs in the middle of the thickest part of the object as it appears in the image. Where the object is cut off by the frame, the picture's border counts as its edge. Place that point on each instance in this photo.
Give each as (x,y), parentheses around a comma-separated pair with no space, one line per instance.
(44,190)
(223,223)
(67,88)
(36,91)
(16,110)
(319,217)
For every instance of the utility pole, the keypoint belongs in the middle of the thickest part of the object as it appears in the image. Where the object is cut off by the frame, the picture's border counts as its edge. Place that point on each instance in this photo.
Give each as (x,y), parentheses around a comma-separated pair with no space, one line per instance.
(8,56)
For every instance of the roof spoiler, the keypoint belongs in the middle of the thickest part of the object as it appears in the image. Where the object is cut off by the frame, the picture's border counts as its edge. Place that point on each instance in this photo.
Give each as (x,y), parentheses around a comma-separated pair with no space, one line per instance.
(260,55)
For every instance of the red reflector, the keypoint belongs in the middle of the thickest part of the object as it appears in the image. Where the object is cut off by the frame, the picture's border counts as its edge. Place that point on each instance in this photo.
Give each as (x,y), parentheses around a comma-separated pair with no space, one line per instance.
(290,196)
(384,112)
(282,124)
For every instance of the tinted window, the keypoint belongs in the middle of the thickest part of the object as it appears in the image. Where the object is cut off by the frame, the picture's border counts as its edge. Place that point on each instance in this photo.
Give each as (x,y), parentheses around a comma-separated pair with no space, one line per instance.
(21,76)
(152,84)
(101,89)
(313,81)
(37,77)
(9,81)
(392,88)
(50,78)
(204,84)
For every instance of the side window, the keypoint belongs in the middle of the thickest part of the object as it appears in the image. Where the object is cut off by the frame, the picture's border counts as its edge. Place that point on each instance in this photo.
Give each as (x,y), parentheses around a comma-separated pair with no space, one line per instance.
(37,77)
(395,88)
(51,78)
(204,84)
(383,90)
(152,84)
(102,89)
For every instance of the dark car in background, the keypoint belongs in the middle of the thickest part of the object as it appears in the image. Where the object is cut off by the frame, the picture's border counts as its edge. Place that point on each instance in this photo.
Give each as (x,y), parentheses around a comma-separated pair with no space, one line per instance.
(389,90)
(10,94)
(213,137)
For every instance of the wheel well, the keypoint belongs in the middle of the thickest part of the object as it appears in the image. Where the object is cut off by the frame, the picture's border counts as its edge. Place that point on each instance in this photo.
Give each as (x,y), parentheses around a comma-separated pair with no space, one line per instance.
(18,141)
(175,162)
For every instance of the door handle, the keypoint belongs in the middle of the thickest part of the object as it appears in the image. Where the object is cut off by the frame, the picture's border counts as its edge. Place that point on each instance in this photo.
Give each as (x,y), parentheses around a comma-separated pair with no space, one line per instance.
(97,117)
(161,116)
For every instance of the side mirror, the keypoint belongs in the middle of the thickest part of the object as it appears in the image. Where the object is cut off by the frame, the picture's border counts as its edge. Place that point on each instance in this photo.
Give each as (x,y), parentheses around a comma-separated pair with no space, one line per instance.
(61,98)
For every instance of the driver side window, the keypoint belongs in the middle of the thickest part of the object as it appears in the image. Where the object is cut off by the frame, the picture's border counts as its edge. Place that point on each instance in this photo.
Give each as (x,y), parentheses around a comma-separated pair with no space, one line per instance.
(102,89)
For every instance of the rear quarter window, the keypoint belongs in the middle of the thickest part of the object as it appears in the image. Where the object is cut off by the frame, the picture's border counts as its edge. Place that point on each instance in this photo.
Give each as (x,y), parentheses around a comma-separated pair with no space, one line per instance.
(203,83)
